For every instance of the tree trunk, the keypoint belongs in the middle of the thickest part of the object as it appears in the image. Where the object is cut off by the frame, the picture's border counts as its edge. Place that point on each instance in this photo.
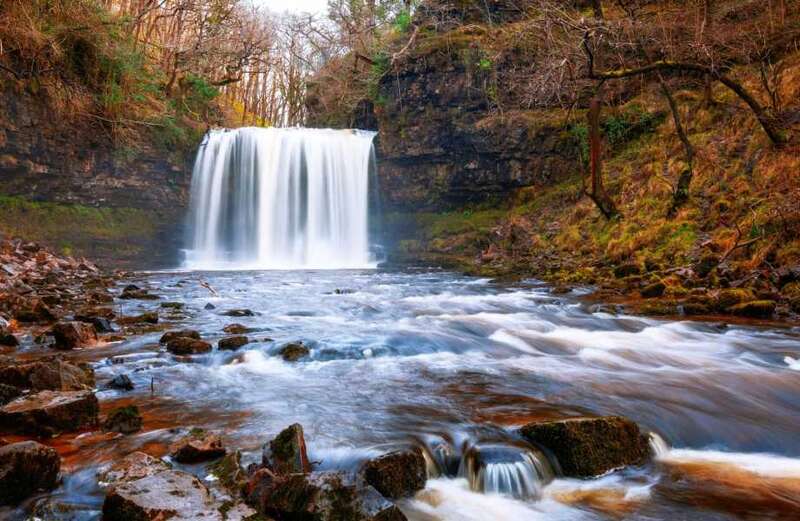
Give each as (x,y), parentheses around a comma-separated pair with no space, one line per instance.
(596,191)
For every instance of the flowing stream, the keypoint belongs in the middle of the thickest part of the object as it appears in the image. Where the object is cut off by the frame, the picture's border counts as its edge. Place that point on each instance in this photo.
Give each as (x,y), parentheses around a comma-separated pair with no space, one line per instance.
(455,362)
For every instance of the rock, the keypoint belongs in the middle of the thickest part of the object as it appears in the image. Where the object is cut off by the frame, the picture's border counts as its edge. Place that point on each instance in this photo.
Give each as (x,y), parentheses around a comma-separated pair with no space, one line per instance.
(8,393)
(560,290)
(233,343)
(587,447)
(754,309)
(50,412)
(71,335)
(626,270)
(125,420)
(88,315)
(121,382)
(397,474)
(294,351)
(730,297)
(169,494)
(653,290)
(197,446)
(209,305)
(136,465)
(132,292)
(320,496)
(286,454)
(188,346)
(50,373)
(26,468)
(37,311)
(706,265)
(787,275)
(172,305)
(7,338)
(230,473)
(151,317)
(102,325)
(239,313)
(237,329)
(185,333)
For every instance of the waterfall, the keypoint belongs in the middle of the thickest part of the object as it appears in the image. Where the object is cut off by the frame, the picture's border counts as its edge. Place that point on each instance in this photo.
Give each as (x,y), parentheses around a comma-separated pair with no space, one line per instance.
(505,469)
(281,199)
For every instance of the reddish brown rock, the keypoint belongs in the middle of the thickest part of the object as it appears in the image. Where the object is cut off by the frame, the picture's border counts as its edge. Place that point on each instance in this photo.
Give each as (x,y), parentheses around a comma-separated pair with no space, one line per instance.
(286,454)
(26,468)
(294,351)
(50,412)
(35,311)
(397,474)
(71,335)
(125,420)
(136,465)
(50,373)
(233,343)
(188,346)
(151,317)
(587,447)
(183,333)
(197,446)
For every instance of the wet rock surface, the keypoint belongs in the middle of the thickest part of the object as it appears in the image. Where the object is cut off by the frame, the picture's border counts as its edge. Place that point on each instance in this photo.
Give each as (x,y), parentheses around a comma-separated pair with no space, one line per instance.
(286,454)
(136,465)
(26,468)
(397,474)
(198,445)
(50,412)
(72,335)
(233,343)
(125,420)
(587,447)
(183,333)
(188,346)
(294,351)
(49,373)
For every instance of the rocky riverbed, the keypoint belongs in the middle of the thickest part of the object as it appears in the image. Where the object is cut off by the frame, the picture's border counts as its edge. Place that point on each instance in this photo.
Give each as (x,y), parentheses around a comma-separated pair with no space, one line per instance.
(377,395)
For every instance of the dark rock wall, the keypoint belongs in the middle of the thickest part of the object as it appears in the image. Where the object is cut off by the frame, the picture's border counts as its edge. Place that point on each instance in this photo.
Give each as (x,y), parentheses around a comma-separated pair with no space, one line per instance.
(74,165)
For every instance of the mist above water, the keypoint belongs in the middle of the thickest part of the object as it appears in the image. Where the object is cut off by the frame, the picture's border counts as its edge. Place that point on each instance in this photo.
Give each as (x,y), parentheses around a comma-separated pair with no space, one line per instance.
(266,198)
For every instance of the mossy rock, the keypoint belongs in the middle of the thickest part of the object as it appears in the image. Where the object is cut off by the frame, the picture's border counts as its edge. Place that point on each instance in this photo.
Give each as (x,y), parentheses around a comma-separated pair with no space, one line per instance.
(754,309)
(125,420)
(659,308)
(653,290)
(730,297)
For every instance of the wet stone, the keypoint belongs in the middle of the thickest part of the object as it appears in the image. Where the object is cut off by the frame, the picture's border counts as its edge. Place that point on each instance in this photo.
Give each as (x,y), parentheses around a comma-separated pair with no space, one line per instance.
(653,290)
(286,454)
(172,305)
(50,412)
(121,382)
(136,465)
(233,343)
(183,346)
(72,335)
(754,309)
(185,333)
(8,393)
(150,317)
(239,313)
(587,447)
(125,420)
(197,446)
(50,373)
(237,329)
(294,351)
(26,468)
(397,474)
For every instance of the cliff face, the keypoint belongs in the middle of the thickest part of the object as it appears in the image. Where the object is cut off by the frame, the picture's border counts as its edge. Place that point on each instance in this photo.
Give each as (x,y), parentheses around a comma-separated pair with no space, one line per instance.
(66,185)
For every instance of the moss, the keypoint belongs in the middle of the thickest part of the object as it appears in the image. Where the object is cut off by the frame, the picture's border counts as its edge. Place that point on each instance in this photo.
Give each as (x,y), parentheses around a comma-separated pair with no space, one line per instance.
(754,309)
(733,296)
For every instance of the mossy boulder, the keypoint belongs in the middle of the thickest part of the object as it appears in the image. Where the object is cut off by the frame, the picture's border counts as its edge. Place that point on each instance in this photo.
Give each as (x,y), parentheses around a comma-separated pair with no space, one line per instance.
(653,290)
(729,297)
(754,309)
(197,446)
(397,474)
(286,454)
(294,351)
(125,420)
(587,447)
(230,473)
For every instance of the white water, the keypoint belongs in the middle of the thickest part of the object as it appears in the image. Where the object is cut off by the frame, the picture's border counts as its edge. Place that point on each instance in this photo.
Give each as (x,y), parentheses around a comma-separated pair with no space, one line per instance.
(281,199)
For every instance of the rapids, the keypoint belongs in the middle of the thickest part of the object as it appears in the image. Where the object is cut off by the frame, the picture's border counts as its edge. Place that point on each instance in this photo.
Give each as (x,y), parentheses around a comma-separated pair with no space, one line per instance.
(455,362)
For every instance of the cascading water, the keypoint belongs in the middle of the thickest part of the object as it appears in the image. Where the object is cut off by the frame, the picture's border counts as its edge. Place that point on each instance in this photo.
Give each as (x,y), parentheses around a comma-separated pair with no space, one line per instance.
(505,469)
(281,199)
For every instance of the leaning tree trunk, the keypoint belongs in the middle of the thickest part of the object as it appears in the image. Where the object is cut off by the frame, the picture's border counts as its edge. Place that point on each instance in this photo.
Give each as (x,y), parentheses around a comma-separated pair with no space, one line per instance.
(595,190)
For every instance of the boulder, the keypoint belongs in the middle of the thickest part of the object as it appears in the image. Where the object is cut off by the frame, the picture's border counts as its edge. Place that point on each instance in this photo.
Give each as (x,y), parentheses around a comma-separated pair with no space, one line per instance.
(50,373)
(319,496)
(151,317)
(237,329)
(233,343)
(397,474)
(187,346)
(35,311)
(136,465)
(286,454)
(626,270)
(754,309)
(169,494)
(8,393)
(26,468)
(230,473)
(587,447)
(239,313)
(71,335)
(125,420)
(132,292)
(730,297)
(209,306)
(294,351)
(183,333)
(197,446)
(653,290)
(50,412)
(7,338)
(172,305)
(89,314)
(121,382)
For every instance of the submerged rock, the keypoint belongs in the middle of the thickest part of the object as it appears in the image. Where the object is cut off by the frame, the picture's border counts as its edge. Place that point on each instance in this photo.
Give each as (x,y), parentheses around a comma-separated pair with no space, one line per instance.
(71,335)
(185,333)
(188,346)
(294,351)
(136,465)
(239,313)
(319,496)
(397,474)
(587,447)
(233,343)
(172,305)
(121,382)
(125,420)
(49,412)
(26,468)
(286,454)
(197,446)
